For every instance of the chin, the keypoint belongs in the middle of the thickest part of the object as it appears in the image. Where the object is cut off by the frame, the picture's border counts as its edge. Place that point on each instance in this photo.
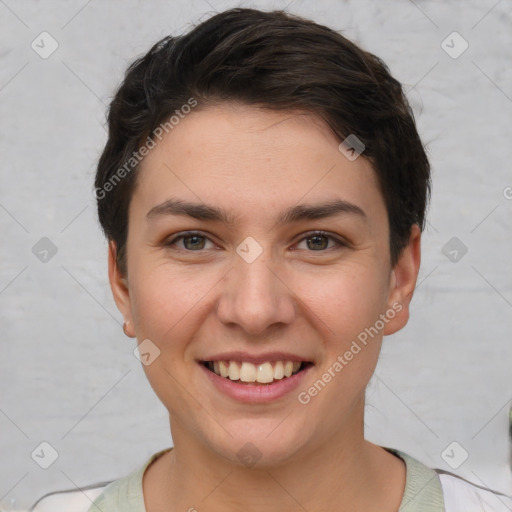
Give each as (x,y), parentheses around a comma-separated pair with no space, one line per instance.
(258,444)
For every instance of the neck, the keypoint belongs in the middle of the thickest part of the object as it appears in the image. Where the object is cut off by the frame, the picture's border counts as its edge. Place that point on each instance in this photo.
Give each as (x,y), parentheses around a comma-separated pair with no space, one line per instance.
(344,473)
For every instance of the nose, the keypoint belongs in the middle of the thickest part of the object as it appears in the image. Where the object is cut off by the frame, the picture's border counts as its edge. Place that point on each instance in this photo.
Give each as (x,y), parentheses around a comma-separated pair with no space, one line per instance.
(256,298)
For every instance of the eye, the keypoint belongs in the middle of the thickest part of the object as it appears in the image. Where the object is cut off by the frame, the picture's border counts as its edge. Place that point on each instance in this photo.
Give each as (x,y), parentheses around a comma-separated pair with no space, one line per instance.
(319,241)
(193,241)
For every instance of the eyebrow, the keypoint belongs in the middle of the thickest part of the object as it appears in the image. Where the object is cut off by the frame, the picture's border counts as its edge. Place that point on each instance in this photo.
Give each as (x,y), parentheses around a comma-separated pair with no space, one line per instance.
(201,211)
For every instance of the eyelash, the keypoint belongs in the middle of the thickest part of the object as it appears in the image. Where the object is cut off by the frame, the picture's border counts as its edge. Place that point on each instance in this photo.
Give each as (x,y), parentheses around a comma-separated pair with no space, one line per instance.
(189,234)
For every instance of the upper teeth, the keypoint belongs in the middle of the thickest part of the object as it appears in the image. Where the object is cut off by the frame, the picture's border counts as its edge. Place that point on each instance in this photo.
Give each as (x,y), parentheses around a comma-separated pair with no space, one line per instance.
(263,373)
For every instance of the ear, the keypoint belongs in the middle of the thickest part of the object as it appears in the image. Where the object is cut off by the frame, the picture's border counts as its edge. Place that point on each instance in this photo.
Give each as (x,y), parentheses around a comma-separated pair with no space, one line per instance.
(403,282)
(119,287)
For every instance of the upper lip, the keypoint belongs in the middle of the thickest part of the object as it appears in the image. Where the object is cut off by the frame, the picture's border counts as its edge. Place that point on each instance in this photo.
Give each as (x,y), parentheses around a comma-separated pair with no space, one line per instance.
(255,358)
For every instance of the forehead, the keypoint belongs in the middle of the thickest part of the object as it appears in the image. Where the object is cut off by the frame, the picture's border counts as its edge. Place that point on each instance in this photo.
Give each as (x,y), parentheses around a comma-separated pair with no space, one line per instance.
(242,155)
(232,131)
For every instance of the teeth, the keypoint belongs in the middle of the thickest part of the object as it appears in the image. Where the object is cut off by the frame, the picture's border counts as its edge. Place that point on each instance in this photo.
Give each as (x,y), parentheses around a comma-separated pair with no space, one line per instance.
(278,370)
(233,371)
(223,367)
(263,373)
(248,372)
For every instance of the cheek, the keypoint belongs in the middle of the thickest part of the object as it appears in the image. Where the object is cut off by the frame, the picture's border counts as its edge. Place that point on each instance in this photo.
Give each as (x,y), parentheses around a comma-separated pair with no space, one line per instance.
(347,305)
(168,309)
(346,300)
(167,303)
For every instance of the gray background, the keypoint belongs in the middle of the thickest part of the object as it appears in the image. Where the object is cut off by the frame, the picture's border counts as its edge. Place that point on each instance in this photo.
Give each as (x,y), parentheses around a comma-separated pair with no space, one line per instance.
(68,375)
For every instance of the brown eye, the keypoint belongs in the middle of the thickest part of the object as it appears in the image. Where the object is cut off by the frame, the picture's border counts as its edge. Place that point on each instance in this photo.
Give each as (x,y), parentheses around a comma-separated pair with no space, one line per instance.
(191,241)
(319,241)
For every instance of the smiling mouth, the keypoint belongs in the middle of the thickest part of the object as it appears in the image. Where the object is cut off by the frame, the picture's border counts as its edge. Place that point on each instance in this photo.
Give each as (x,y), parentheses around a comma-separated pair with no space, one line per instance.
(247,373)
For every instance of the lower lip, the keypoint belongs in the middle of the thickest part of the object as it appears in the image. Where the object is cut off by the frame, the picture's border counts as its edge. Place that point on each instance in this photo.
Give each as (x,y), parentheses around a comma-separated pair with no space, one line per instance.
(256,393)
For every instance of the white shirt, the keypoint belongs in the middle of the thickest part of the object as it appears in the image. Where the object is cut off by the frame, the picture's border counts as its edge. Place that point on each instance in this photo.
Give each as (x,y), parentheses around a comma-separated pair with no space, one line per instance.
(463,496)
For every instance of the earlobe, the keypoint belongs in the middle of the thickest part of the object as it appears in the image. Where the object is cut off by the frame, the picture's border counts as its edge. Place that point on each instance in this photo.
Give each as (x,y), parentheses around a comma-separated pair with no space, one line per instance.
(120,290)
(403,282)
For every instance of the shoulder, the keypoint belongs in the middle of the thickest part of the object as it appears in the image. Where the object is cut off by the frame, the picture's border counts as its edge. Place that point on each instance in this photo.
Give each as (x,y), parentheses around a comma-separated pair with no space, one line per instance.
(126,493)
(82,500)
(432,489)
(123,494)
(460,495)
(71,501)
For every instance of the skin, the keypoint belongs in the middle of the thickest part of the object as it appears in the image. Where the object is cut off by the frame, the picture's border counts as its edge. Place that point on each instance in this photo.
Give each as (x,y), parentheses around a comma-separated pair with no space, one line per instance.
(202,298)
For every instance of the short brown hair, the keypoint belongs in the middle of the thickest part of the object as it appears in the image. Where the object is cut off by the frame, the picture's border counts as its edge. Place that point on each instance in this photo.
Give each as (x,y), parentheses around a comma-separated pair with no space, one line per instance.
(278,61)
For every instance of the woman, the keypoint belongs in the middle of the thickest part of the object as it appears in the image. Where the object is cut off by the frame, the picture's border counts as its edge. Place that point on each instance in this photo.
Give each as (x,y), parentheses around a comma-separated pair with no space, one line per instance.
(263,190)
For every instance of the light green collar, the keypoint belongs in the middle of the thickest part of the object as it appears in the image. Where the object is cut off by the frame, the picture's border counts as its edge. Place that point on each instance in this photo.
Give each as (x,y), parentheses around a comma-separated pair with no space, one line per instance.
(423,491)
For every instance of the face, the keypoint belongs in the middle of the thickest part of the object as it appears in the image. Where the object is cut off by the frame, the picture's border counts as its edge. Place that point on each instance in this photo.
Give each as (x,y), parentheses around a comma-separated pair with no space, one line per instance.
(256,248)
